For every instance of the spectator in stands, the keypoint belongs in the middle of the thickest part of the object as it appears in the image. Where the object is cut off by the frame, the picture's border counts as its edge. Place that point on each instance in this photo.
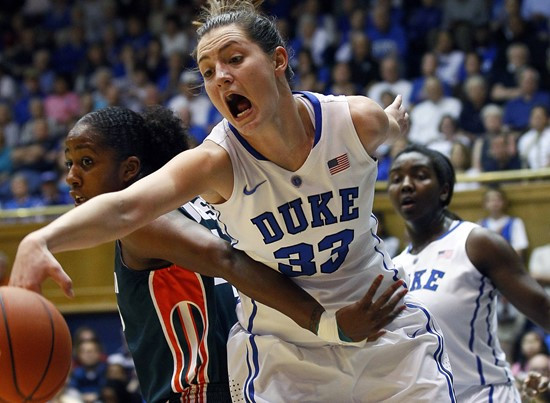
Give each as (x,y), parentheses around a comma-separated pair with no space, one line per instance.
(468,12)
(89,375)
(504,74)
(487,156)
(516,29)
(357,53)
(191,97)
(39,154)
(136,36)
(29,89)
(449,133)
(392,80)
(21,197)
(173,38)
(534,145)
(422,22)
(50,192)
(512,228)
(169,81)
(38,112)
(63,105)
(461,159)
(8,85)
(474,99)
(387,37)
(70,50)
(530,344)
(41,65)
(315,38)
(428,68)
(539,265)
(341,80)
(425,116)
(8,125)
(155,62)
(449,58)
(517,110)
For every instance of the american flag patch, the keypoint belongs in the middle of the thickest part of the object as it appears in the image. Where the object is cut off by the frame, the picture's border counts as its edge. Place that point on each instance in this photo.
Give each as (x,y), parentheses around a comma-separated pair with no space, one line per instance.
(445,254)
(338,164)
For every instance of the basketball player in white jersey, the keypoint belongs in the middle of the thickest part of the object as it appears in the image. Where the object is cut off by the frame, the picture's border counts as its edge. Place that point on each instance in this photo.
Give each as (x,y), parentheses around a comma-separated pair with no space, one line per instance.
(457,269)
(293,179)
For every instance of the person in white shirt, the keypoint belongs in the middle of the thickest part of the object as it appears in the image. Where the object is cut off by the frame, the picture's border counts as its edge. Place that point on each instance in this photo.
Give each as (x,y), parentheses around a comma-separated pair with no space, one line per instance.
(425,116)
(534,145)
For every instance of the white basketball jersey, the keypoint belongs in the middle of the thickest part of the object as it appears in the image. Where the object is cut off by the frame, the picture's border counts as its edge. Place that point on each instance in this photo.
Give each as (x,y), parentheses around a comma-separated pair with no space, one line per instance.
(464,303)
(315,224)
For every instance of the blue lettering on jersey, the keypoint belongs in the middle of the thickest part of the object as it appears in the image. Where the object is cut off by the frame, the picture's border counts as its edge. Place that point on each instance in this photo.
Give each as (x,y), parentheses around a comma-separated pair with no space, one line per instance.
(431,283)
(285,210)
(319,207)
(294,217)
(299,258)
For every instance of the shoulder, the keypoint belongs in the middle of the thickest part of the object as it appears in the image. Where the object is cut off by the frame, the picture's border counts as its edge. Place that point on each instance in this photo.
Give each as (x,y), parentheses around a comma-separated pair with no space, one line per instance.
(369,119)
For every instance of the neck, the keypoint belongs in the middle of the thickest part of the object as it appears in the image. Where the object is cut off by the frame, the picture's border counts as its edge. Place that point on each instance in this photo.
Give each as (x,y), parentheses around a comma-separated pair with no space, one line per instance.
(424,232)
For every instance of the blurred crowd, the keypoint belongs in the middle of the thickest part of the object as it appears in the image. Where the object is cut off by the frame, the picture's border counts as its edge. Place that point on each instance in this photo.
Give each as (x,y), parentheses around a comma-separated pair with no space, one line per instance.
(474,74)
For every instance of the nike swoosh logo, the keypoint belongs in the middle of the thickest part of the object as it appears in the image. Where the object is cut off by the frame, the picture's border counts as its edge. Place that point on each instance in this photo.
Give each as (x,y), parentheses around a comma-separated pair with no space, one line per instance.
(251,191)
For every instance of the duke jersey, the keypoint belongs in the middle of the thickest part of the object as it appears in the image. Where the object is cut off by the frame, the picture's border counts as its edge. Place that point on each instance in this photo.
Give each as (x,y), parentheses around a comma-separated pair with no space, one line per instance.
(316,226)
(464,303)
(176,324)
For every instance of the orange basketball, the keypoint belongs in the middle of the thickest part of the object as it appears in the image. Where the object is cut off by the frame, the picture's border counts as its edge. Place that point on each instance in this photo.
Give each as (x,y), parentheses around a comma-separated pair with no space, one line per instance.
(35,347)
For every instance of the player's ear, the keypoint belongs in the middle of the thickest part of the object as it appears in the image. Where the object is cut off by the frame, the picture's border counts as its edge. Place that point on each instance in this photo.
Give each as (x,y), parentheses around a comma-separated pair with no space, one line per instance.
(130,168)
(280,60)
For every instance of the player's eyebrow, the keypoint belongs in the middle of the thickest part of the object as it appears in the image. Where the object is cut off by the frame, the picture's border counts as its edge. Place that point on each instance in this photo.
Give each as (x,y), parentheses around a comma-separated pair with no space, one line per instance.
(225,46)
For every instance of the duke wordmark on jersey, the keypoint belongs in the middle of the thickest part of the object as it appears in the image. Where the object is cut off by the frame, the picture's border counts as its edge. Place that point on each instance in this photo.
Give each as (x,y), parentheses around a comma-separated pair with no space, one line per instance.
(292,220)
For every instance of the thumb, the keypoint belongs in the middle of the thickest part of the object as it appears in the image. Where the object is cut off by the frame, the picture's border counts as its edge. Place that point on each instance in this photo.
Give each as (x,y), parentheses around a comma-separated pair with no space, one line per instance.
(64,281)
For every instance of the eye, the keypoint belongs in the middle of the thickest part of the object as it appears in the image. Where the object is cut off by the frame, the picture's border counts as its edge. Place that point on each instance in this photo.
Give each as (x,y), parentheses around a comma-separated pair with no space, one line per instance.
(395,179)
(207,73)
(86,162)
(68,164)
(235,59)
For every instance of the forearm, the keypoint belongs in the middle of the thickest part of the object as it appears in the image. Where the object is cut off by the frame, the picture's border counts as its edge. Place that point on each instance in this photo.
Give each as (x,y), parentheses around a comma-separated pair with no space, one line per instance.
(273,289)
(86,226)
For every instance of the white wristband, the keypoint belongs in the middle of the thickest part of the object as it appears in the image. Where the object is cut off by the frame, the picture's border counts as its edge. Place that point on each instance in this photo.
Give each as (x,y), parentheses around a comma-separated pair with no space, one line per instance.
(328,328)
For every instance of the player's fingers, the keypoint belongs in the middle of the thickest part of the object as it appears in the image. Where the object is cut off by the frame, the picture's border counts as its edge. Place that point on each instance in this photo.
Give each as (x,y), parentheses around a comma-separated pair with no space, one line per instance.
(366,301)
(387,319)
(397,101)
(63,280)
(386,295)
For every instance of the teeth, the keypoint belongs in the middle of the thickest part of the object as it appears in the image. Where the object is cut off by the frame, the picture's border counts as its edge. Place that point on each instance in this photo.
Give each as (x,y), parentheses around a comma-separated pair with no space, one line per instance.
(241,113)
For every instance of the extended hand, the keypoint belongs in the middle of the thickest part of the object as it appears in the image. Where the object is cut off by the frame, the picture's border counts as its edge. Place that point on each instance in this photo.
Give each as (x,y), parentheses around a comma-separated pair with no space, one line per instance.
(367,319)
(34,263)
(534,384)
(398,111)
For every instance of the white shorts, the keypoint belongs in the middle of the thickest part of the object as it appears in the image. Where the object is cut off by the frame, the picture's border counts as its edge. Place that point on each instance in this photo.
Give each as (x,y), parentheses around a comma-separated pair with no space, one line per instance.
(408,363)
(502,393)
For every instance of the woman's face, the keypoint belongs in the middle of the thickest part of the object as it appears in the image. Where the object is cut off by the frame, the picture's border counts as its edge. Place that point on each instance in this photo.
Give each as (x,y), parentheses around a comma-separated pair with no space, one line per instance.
(93,169)
(239,78)
(531,344)
(413,187)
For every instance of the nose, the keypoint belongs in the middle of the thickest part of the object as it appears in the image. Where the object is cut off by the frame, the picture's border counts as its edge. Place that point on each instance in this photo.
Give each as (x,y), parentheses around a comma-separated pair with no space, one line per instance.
(72,178)
(223,77)
(407,183)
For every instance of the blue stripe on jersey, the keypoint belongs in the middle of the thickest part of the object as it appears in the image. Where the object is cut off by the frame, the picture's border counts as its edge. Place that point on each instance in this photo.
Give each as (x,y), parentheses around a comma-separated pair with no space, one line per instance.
(409,246)
(316,111)
(253,367)
(395,271)
(472,332)
(491,391)
(438,355)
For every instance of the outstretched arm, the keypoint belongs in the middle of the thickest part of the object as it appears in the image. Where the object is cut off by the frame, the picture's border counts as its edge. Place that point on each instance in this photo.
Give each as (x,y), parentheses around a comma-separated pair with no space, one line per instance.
(174,238)
(495,258)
